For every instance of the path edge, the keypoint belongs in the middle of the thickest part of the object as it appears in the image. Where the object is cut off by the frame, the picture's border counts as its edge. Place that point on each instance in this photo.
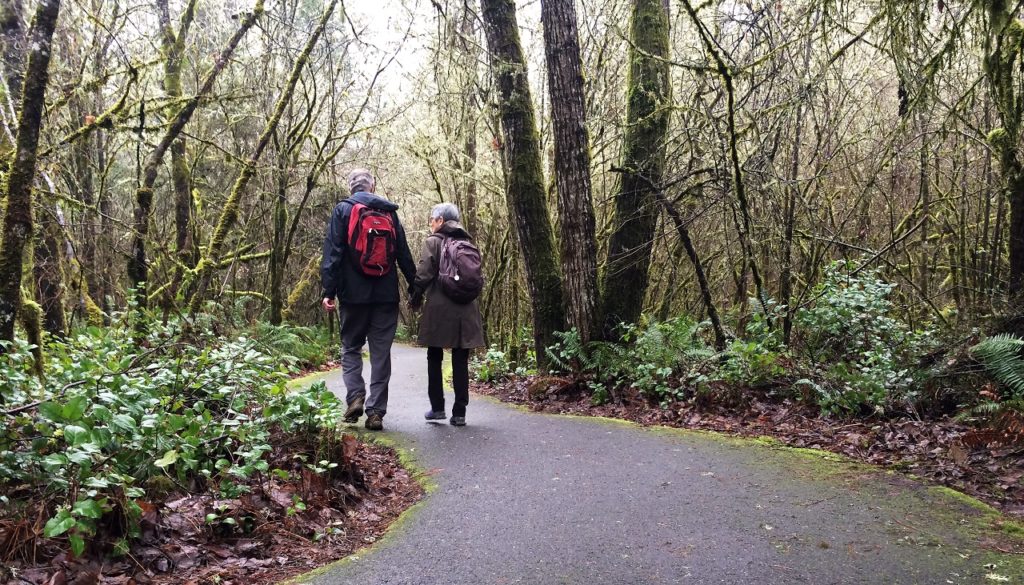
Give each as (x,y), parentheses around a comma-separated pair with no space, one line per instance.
(406,458)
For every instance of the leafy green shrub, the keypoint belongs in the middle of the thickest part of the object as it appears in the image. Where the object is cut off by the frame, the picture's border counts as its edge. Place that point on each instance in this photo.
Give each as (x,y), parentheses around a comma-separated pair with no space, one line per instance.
(750,363)
(649,358)
(872,354)
(493,366)
(117,418)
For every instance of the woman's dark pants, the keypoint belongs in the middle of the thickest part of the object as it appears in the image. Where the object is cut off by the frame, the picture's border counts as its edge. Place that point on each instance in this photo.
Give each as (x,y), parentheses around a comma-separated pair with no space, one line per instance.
(460,379)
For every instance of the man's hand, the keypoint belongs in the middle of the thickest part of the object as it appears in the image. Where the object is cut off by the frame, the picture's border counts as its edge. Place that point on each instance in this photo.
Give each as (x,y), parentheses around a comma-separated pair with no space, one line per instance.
(329,305)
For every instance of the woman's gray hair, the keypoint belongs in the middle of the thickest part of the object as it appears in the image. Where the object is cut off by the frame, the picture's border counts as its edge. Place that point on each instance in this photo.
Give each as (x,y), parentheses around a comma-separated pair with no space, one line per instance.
(445,211)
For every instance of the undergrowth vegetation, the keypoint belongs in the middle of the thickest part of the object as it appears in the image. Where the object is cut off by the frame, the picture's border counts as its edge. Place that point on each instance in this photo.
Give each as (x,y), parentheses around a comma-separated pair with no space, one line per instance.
(119,419)
(850,355)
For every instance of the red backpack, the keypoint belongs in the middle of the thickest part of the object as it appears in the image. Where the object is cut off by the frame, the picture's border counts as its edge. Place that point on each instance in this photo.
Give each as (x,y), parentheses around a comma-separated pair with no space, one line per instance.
(371,239)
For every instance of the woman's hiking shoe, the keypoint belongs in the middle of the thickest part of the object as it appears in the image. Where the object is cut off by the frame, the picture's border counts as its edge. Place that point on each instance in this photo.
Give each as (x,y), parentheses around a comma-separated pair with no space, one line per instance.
(435,415)
(355,410)
(374,422)
(458,421)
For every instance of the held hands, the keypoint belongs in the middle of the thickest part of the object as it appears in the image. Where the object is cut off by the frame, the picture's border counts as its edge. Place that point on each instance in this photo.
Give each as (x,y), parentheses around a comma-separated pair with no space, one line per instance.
(415,298)
(416,303)
(329,305)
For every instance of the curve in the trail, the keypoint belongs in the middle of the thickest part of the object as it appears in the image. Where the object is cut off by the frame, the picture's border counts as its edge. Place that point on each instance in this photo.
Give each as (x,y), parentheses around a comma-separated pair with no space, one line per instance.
(539,499)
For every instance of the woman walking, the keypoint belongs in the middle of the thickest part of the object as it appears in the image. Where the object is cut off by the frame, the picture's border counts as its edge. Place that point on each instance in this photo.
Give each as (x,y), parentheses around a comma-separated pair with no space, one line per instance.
(448,275)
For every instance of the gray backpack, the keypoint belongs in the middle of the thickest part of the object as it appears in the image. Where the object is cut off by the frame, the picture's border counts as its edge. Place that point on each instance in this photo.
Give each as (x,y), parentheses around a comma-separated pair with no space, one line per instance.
(459,272)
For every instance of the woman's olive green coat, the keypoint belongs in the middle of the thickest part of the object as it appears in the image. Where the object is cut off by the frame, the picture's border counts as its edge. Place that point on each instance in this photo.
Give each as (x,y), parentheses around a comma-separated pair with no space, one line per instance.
(444,322)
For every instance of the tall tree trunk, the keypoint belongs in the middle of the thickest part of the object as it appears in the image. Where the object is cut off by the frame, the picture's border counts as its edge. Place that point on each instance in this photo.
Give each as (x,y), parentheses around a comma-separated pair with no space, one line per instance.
(48,271)
(102,292)
(792,194)
(12,49)
(924,192)
(17,228)
(572,166)
(46,267)
(524,176)
(277,245)
(173,49)
(648,94)
(138,267)
(83,187)
(1002,60)
(468,112)
(229,214)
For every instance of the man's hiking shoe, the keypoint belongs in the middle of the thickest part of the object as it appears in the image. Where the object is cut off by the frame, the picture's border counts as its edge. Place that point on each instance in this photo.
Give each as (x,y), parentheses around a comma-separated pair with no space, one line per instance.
(374,422)
(435,415)
(355,410)
(458,421)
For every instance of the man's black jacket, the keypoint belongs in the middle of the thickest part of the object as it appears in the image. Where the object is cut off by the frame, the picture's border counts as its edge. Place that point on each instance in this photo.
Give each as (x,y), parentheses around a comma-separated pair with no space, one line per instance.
(338,274)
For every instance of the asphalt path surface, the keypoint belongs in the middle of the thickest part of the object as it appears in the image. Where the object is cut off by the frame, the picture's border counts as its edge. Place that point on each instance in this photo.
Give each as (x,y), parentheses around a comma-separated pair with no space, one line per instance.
(520,497)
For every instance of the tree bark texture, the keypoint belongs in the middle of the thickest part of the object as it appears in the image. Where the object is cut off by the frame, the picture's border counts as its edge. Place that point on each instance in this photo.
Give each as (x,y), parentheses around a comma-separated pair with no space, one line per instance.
(138,268)
(572,167)
(1004,43)
(173,47)
(648,95)
(277,245)
(524,177)
(48,271)
(12,49)
(229,214)
(17,227)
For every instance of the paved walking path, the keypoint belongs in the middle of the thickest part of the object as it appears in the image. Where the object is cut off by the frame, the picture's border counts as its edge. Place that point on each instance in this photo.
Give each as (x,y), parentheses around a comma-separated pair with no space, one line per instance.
(539,499)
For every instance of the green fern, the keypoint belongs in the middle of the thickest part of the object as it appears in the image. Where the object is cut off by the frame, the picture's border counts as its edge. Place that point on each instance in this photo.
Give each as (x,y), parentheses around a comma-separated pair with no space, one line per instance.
(1001,356)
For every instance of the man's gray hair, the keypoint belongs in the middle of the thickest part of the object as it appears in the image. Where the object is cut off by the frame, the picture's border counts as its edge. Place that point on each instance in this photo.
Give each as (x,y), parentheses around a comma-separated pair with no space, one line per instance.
(361,180)
(445,211)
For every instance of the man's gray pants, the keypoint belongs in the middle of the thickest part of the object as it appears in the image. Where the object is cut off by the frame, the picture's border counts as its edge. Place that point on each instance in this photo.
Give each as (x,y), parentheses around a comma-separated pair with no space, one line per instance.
(374,323)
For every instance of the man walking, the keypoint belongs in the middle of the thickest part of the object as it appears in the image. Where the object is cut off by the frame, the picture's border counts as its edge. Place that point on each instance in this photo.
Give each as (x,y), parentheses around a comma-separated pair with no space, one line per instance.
(364,243)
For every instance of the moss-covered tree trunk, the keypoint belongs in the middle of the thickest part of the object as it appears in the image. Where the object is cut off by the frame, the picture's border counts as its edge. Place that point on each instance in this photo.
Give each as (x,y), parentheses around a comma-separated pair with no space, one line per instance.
(48,271)
(173,49)
(17,226)
(12,50)
(1004,43)
(277,245)
(648,96)
(138,267)
(229,214)
(46,267)
(524,176)
(572,167)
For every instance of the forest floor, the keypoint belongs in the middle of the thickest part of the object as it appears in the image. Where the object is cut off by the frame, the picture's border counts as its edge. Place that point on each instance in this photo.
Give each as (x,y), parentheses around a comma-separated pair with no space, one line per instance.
(284,524)
(987,463)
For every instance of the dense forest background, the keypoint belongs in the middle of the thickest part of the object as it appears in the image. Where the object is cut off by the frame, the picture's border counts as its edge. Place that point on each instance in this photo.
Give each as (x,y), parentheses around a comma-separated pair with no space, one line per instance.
(794,135)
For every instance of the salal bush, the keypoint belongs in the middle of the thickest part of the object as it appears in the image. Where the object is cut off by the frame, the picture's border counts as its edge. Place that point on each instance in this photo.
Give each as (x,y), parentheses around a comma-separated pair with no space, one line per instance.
(118,417)
(649,357)
(867,356)
(493,366)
